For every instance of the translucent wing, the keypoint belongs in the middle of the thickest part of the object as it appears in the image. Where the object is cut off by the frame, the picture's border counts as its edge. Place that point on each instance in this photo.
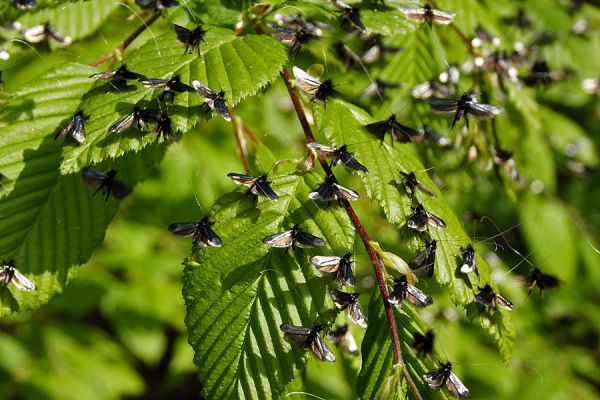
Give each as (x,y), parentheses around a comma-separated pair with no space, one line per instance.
(320,149)
(280,240)
(78,131)
(119,190)
(306,240)
(123,124)
(21,282)
(283,35)
(356,315)
(183,34)
(482,111)
(417,297)
(444,106)
(58,37)
(328,264)
(418,220)
(218,105)
(325,192)
(414,13)
(349,162)
(306,82)
(153,83)
(183,228)
(203,90)
(320,350)
(456,387)
(343,193)
(295,333)
(504,302)
(241,179)
(92,178)
(35,34)
(205,235)
(435,221)
(345,276)
(443,17)
(435,379)
(263,188)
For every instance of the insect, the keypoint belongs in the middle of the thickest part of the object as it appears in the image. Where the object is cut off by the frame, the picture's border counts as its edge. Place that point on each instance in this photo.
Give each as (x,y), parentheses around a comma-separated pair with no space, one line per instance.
(257,186)
(469,262)
(294,38)
(420,219)
(376,51)
(378,88)
(430,89)
(489,298)
(107,183)
(139,116)
(156,5)
(425,261)
(172,86)
(119,76)
(427,134)
(399,132)
(10,274)
(190,38)
(75,127)
(215,101)
(402,290)
(310,339)
(296,23)
(40,33)
(423,344)
(412,183)
(342,337)
(340,266)
(201,232)
(542,281)
(351,14)
(464,107)
(444,376)
(428,15)
(338,156)
(25,4)
(330,191)
(163,126)
(349,301)
(504,159)
(311,85)
(294,238)
(346,55)
(520,20)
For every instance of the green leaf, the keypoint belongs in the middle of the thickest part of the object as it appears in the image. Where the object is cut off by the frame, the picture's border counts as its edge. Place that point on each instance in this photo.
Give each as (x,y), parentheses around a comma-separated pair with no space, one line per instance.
(50,223)
(241,66)
(237,296)
(386,23)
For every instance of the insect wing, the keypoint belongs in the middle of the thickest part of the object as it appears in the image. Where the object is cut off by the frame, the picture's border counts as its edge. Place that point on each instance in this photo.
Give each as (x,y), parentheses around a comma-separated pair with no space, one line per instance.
(482,111)
(322,150)
(67,129)
(423,344)
(280,240)
(119,189)
(262,187)
(418,220)
(184,35)
(503,302)
(21,282)
(78,128)
(206,236)
(306,240)
(295,333)
(435,221)
(435,379)
(92,178)
(203,90)
(469,263)
(152,83)
(283,35)
(218,105)
(456,387)
(417,297)
(104,75)
(183,228)
(325,192)
(345,339)
(414,13)
(444,106)
(350,162)
(345,276)
(180,87)
(356,315)
(422,91)
(241,179)
(58,37)
(443,17)
(123,124)
(425,261)
(35,34)
(25,4)
(320,350)
(343,193)
(342,299)
(378,129)
(328,264)
(306,83)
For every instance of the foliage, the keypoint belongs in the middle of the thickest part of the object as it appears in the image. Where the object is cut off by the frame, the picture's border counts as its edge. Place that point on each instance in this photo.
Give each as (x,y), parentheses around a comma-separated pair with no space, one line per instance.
(120,321)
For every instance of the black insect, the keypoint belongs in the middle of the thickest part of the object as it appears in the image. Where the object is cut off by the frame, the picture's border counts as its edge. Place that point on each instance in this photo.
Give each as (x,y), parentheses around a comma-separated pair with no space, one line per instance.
(423,344)
(338,156)
(351,14)
(107,183)
(428,15)
(464,107)
(378,88)
(297,23)
(428,135)
(296,238)
(163,126)
(420,219)
(190,38)
(342,337)
(75,127)
(310,339)
(214,100)
(119,76)
(412,183)
(257,186)
(425,261)
(294,38)
(25,4)
(542,281)
(398,132)
(156,5)
(520,20)
(10,274)
(504,159)
(311,85)
(346,55)
(489,298)
(349,301)
(341,267)
(40,33)
(431,89)
(469,262)
(444,376)
(331,191)
(201,232)
(139,116)
(172,86)
(376,51)
(402,290)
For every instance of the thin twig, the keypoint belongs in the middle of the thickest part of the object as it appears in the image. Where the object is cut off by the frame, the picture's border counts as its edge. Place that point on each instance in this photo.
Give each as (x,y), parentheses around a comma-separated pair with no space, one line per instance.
(240,139)
(127,41)
(458,31)
(366,239)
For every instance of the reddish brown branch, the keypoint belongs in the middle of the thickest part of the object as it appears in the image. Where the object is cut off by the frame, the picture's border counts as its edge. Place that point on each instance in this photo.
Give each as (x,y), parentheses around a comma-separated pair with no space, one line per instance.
(366,239)
(127,41)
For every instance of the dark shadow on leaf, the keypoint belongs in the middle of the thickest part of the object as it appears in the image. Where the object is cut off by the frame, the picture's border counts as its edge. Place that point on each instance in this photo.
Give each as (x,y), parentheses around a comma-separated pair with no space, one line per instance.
(16,110)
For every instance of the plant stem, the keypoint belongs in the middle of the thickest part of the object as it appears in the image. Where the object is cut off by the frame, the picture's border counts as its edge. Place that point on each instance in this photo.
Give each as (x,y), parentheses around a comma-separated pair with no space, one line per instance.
(127,41)
(366,239)
(240,139)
